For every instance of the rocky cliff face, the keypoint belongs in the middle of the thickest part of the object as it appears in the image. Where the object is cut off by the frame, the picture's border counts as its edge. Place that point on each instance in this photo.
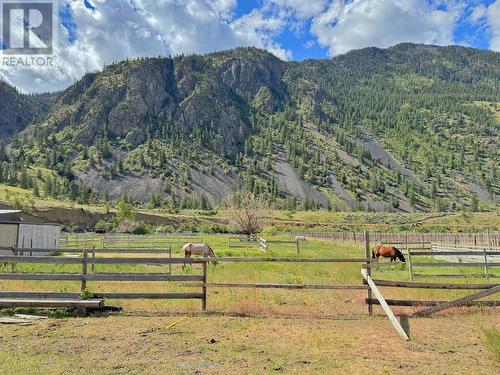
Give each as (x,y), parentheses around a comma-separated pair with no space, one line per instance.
(218,90)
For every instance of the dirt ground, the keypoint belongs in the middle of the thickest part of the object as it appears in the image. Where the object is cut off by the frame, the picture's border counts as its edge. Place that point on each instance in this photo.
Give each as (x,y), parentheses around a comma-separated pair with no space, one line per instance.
(218,343)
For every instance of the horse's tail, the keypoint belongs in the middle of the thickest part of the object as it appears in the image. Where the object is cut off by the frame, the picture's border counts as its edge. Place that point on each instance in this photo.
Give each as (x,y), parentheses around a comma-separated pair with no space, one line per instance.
(373,253)
(400,255)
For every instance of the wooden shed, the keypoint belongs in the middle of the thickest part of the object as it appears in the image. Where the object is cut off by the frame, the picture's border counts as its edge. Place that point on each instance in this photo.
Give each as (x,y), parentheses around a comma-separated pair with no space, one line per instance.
(15,232)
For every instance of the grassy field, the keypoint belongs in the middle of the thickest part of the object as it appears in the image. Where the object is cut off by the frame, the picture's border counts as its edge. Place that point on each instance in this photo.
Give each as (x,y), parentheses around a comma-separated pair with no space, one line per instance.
(253,331)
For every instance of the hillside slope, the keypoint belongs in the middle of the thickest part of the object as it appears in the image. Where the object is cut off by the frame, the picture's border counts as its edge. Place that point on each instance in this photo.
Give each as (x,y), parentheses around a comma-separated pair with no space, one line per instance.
(411,127)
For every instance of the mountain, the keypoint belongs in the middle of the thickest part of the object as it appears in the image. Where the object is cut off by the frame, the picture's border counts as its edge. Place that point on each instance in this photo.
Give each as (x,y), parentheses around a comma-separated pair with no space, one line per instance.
(18,110)
(411,127)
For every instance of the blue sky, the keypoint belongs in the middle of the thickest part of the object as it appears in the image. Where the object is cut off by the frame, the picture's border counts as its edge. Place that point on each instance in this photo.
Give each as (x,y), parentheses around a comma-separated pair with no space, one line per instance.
(303,43)
(94,33)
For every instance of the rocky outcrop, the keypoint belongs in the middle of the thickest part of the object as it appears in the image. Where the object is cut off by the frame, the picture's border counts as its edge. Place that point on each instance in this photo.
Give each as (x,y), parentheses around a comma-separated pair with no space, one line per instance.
(129,96)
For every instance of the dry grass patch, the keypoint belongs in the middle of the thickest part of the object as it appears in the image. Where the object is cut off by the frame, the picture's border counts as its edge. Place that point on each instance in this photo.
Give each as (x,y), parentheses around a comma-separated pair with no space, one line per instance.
(215,344)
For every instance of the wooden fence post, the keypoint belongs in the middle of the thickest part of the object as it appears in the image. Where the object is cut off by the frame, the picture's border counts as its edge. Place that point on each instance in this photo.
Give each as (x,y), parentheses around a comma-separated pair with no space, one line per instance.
(13,265)
(170,257)
(84,270)
(486,273)
(368,270)
(93,258)
(204,288)
(410,268)
(297,246)
(485,255)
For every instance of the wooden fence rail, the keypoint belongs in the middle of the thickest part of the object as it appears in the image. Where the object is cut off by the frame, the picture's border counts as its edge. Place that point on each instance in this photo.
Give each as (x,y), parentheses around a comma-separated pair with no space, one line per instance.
(454,256)
(481,239)
(242,241)
(77,240)
(85,275)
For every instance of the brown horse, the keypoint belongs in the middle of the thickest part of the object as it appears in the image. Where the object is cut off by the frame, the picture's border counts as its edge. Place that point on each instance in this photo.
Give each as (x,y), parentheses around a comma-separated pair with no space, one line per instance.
(387,252)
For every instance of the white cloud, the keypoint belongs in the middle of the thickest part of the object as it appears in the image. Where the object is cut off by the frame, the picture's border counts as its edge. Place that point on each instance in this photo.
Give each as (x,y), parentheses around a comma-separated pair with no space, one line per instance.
(301,8)
(493,15)
(225,7)
(119,29)
(383,23)
(477,14)
(260,30)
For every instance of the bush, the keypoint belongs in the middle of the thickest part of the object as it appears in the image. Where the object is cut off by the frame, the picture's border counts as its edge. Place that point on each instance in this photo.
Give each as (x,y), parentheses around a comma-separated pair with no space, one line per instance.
(134,227)
(104,225)
(143,228)
(164,229)
(271,230)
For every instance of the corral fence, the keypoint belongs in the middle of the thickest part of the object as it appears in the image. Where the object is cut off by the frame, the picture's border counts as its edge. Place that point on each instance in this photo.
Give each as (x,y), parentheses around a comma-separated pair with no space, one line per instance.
(88,260)
(242,241)
(434,255)
(128,241)
(476,239)
(264,244)
(83,258)
(455,258)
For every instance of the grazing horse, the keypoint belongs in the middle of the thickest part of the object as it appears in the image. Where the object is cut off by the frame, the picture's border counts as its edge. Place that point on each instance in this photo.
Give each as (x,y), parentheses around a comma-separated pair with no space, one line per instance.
(387,252)
(198,249)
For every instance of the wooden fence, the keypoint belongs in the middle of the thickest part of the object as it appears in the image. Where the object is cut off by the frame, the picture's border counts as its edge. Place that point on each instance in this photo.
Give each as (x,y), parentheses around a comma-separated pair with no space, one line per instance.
(370,284)
(129,241)
(81,257)
(264,244)
(242,241)
(456,257)
(482,239)
(89,257)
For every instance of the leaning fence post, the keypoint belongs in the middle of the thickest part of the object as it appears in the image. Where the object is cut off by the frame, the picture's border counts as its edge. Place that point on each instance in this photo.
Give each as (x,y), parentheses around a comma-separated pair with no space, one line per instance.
(204,288)
(368,270)
(84,270)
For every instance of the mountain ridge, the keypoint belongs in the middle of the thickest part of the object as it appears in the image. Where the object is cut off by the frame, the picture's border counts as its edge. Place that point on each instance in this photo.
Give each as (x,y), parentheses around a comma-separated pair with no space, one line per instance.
(226,115)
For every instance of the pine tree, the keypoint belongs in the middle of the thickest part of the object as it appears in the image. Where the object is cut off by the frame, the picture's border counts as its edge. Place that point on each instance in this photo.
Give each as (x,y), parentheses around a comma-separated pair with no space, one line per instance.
(36,191)
(474,204)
